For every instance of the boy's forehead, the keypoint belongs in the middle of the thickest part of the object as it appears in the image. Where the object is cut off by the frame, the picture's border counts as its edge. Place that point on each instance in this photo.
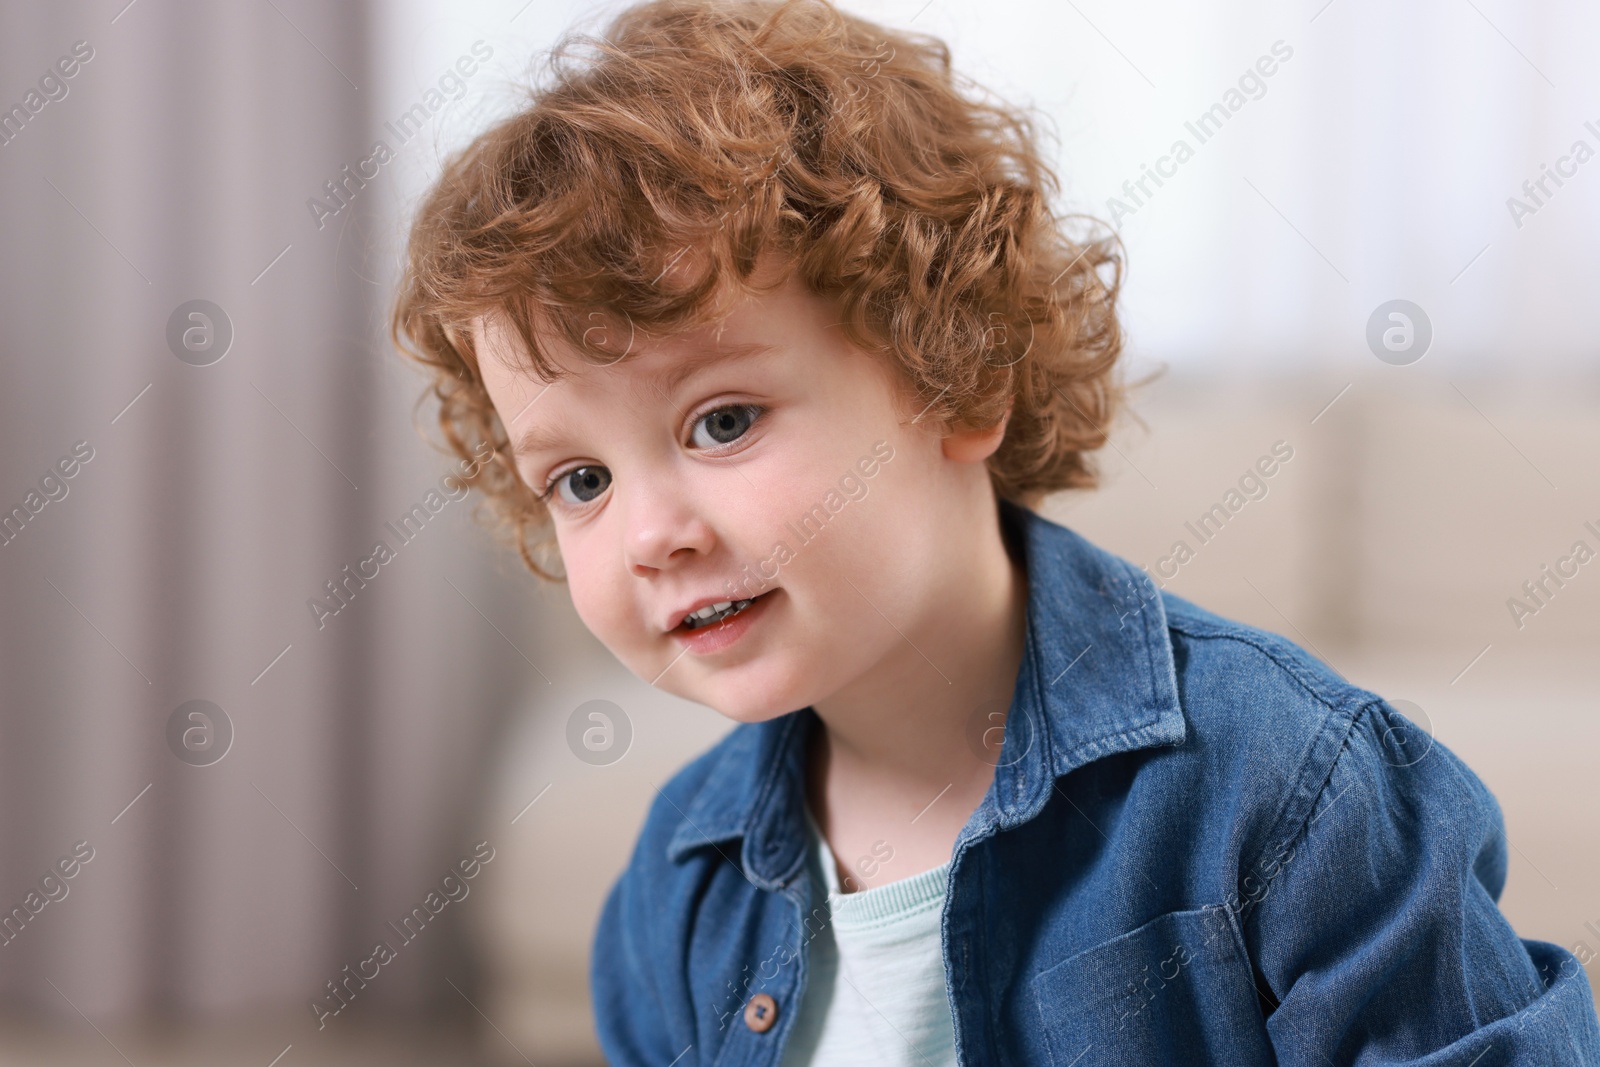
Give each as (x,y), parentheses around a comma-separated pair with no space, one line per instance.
(666,360)
(739,320)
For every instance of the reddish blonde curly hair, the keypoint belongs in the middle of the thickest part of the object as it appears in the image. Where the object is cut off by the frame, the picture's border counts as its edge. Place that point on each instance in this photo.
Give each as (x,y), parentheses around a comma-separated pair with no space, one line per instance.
(737,128)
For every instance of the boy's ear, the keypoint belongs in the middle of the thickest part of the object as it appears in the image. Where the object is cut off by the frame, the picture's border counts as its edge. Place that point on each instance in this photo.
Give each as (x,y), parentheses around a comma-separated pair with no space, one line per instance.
(975,445)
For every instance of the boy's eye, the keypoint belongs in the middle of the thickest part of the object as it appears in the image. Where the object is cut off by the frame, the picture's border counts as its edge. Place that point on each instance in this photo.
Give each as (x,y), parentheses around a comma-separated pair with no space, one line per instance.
(582,484)
(724,425)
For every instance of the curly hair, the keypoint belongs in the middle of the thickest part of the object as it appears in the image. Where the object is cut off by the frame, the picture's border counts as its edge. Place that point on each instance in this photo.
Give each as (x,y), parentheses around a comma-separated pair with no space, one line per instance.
(734,128)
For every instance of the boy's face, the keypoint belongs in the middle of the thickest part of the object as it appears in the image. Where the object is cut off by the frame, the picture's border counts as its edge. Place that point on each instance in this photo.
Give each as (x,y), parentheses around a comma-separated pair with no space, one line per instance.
(768,460)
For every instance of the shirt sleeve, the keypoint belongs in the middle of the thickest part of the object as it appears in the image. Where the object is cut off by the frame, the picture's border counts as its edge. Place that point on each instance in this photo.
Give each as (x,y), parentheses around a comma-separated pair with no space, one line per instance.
(1377,933)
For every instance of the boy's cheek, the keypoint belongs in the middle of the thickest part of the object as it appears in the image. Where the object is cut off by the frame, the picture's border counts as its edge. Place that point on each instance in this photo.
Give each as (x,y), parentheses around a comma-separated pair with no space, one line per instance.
(600,613)
(607,608)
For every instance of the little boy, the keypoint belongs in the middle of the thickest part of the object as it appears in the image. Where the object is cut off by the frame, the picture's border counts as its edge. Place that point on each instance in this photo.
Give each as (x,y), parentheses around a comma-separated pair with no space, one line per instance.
(769,323)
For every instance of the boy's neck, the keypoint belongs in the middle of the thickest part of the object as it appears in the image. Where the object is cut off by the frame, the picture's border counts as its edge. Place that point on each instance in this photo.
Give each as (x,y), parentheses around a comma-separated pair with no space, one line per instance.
(894,759)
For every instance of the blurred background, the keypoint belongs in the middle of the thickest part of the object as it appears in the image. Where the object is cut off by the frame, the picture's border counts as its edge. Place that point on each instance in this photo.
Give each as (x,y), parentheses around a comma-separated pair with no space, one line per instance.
(203,428)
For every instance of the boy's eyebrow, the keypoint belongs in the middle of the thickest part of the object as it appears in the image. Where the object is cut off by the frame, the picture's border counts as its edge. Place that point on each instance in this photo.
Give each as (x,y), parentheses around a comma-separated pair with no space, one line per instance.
(539,436)
(535,438)
(683,369)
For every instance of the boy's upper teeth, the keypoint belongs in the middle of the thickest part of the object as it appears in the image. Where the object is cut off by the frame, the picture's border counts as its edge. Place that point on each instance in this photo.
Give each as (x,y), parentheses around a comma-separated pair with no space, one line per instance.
(710,611)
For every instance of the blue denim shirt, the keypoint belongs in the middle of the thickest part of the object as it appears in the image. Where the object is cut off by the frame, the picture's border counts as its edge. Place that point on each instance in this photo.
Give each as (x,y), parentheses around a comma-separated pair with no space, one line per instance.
(1201,845)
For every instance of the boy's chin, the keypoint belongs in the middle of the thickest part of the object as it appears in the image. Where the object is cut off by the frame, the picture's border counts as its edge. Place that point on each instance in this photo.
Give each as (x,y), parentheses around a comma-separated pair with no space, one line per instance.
(750,712)
(742,701)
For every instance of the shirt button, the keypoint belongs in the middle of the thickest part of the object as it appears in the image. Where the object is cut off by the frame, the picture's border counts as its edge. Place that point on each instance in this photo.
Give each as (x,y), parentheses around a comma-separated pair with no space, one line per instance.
(760,1013)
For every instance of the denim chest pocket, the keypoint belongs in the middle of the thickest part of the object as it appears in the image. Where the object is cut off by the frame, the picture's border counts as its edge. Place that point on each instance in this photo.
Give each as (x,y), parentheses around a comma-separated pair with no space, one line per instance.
(1176,990)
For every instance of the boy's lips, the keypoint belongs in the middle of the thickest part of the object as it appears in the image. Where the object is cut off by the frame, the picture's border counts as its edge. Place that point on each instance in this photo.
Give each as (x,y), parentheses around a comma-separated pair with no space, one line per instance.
(716,636)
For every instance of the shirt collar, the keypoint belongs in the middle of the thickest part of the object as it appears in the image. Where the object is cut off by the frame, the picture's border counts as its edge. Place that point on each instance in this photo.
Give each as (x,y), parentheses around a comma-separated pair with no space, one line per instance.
(1097,678)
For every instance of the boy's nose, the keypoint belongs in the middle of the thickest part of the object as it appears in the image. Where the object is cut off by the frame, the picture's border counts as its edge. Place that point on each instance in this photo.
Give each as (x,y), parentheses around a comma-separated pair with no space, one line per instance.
(662,529)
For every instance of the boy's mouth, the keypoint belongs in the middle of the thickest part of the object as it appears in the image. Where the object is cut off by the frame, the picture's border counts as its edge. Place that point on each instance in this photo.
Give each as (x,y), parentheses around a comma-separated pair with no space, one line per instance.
(712,614)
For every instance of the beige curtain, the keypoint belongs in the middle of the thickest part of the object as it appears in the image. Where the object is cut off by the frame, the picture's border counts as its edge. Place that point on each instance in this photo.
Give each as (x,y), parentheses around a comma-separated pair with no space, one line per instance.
(210,501)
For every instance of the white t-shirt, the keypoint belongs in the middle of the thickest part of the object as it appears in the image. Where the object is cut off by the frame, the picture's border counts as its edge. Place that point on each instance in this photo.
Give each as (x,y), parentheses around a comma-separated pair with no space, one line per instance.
(875,996)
